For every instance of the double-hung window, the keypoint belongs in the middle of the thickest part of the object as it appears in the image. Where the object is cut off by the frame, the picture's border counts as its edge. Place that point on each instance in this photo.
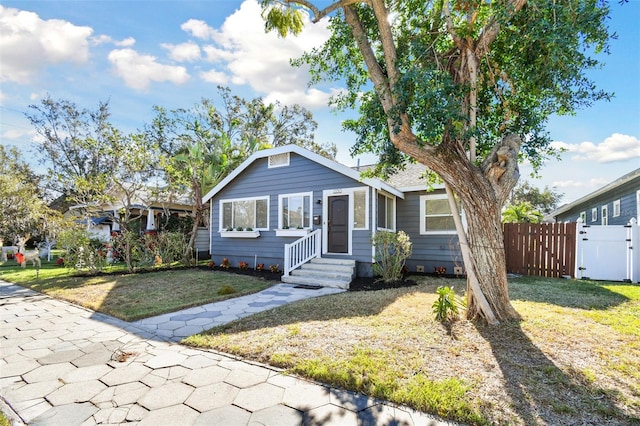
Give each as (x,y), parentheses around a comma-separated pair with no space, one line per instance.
(594,214)
(616,208)
(436,216)
(386,212)
(245,213)
(295,211)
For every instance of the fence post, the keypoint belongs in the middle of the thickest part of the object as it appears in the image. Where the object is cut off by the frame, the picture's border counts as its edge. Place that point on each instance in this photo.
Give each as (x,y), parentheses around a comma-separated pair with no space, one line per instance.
(579,255)
(633,244)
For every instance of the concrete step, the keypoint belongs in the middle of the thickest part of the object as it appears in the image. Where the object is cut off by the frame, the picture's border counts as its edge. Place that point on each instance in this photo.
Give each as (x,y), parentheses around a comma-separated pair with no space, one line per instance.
(327,267)
(347,262)
(328,274)
(293,279)
(325,272)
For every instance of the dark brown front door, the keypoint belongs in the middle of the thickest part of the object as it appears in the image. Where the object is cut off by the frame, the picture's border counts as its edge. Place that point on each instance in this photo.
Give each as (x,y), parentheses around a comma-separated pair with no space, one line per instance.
(338,232)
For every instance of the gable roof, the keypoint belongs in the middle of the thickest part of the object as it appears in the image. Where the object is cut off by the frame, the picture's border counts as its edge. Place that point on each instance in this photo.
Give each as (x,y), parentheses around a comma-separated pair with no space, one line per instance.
(330,164)
(635,174)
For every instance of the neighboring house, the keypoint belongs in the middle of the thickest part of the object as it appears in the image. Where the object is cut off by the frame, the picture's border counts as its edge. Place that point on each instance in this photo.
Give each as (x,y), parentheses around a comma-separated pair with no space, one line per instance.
(149,215)
(289,195)
(613,204)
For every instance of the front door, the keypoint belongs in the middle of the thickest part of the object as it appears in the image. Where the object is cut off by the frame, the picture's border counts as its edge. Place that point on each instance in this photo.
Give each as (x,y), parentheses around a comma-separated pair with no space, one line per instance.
(338,224)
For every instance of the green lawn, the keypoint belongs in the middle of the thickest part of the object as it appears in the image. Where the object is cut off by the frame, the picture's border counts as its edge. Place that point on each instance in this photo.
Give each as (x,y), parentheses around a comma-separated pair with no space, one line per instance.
(574,358)
(134,296)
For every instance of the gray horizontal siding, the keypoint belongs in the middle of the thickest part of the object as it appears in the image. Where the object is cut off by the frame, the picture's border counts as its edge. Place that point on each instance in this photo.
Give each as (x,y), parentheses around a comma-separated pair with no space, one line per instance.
(257,180)
(628,206)
(428,251)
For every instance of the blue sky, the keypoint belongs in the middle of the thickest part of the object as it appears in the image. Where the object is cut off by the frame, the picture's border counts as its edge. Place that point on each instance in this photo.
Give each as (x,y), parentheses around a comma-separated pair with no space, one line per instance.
(137,54)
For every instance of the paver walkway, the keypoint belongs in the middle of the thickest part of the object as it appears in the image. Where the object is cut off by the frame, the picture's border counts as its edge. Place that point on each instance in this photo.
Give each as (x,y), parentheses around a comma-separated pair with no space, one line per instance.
(178,325)
(61,364)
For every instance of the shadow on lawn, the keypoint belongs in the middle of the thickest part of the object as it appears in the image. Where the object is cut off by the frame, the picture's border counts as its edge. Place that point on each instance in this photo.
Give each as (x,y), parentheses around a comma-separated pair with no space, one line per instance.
(569,293)
(542,392)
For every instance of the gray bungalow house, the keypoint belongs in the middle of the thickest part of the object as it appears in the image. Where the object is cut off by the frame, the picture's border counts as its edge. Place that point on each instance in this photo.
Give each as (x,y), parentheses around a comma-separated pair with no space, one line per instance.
(614,204)
(314,218)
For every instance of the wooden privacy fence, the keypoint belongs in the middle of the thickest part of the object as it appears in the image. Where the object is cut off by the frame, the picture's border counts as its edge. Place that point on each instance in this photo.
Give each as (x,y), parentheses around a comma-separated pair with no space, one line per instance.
(541,249)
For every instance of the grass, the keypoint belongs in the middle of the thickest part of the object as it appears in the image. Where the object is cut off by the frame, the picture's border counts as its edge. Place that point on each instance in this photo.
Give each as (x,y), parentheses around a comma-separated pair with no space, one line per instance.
(574,357)
(134,296)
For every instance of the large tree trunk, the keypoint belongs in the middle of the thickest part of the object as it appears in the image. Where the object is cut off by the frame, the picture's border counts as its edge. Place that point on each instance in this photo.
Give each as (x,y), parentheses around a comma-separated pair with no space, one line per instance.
(483,191)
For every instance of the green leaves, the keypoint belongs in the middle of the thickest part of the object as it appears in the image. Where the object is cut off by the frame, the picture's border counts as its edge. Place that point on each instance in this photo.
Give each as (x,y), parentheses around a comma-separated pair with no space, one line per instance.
(283,19)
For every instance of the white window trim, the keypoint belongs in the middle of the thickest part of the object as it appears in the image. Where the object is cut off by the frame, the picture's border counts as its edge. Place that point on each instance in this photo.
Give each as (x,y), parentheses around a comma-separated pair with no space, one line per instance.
(423,212)
(616,208)
(395,212)
(221,203)
(352,206)
(298,194)
(605,215)
(594,214)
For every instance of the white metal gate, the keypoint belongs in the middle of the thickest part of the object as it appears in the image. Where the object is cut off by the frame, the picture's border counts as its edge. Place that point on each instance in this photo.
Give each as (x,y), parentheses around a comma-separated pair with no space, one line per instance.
(608,252)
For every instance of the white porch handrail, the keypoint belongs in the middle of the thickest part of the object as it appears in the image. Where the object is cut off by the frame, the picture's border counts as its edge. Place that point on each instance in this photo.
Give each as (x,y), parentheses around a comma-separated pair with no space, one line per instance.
(301,251)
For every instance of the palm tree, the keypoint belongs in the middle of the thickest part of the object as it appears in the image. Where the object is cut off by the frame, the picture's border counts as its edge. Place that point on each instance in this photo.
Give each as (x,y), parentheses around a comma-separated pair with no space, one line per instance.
(523,212)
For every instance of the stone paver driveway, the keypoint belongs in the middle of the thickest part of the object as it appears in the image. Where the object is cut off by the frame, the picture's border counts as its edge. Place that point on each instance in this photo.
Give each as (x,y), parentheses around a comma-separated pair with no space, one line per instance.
(64,365)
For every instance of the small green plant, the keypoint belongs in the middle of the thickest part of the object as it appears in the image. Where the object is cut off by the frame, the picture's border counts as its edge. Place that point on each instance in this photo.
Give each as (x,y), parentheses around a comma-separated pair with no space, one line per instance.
(229,228)
(447,304)
(249,228)
(239,228)
(226,289)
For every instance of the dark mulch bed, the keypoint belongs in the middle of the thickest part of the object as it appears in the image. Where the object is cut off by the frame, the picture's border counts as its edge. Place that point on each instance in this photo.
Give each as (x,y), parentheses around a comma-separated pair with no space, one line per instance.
(358,284)
(375,283)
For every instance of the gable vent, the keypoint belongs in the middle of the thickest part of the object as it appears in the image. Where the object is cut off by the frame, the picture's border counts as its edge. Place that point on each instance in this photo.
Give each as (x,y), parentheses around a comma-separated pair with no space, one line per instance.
(279,160)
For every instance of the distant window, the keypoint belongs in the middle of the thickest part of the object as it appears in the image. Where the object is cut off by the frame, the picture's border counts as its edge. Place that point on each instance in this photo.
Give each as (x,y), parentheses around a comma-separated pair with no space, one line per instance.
(279,160)
(386,212)
(583,216)
(605,218)
(295,211)
(436,216)
(594,214)
(616,208)
(245,213)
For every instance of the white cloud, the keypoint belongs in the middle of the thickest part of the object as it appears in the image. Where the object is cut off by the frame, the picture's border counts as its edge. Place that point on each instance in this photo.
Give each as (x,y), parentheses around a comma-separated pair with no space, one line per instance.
(587,183)
(198,29)
(28,44)
(105,39)
(216,77)
(261,59)
(617,147)
(138,71)
(127,42)
(183,52)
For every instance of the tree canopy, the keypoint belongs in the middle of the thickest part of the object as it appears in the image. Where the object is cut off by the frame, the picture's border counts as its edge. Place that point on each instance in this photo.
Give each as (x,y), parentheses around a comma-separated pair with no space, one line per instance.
(464,87)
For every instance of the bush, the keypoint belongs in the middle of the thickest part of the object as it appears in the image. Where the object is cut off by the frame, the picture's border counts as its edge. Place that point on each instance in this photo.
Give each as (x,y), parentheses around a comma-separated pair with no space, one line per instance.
(392,250)
(226,289)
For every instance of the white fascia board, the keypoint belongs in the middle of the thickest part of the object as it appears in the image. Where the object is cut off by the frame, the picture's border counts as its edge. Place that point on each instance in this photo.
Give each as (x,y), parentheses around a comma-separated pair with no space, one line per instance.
(330,164)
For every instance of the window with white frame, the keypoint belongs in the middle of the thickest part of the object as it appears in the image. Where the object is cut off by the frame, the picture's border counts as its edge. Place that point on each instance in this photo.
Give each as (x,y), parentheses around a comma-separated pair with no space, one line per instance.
(245,213)
(386,212)
(436,216)
(360,209)
(605,216)
(295,211)
(616,208)
(594,214)
(583,216)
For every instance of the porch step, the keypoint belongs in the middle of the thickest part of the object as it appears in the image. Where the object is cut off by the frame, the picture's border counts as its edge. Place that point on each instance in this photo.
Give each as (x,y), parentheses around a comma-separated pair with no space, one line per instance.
(325,272)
